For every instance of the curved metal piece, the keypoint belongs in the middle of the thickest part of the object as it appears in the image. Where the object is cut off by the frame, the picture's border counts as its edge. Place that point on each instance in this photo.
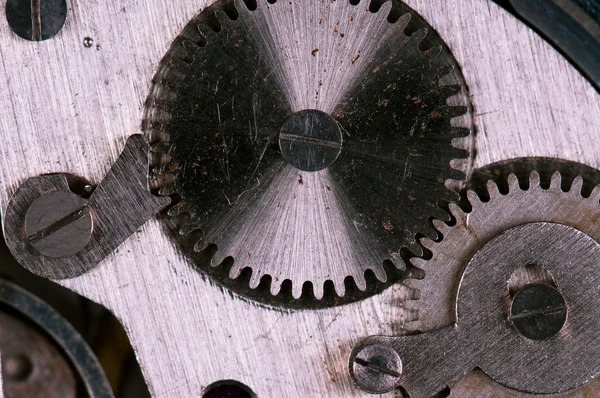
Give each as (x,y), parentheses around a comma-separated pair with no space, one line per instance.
(119,206)
(66,337)
(484,337)
(332,207)
(571,25)
(436,304)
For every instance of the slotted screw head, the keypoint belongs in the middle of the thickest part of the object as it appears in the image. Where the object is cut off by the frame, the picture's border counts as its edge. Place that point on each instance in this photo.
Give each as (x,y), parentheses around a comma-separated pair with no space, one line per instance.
(58,224)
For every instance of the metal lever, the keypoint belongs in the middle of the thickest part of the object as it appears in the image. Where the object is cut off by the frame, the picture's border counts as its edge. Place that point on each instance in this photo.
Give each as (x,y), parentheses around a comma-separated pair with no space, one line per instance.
(57,234)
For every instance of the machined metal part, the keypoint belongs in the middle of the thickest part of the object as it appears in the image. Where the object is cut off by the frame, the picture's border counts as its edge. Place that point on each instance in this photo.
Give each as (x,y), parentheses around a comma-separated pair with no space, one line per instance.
(32,366)
(484,337)
(56,234)
(61,333)
(437,298)
(310,157)
(528,101)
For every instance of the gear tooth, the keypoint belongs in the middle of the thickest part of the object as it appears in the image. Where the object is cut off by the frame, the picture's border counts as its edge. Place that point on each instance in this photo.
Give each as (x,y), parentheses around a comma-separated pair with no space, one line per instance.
(235,271)
(318,290)
(556,181)
(254,279)
(361,282)
(403,21)
(433,51)
(179,64)
(176,210)
(275,286)
(380,273)
(455,210)
(473,198)
(297,289)
(577,185)
(595,195)
(191,47)
(492,189)
(440,226)
(419,35)
(513,182)
(385,8)
(442,71)
(419,263)
(534,179)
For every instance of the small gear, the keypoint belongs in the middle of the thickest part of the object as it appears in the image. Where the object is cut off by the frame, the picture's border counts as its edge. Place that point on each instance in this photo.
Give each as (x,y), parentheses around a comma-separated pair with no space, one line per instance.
(308,142)
(437,291)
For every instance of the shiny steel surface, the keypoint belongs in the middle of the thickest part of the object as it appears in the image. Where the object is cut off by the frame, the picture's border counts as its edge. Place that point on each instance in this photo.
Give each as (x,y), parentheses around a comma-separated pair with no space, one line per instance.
(528,101)
(482,335)
(228,99)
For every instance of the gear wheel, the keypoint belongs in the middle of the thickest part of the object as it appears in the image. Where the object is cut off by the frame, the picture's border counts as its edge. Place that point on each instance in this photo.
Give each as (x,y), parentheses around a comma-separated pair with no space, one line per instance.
(308,143)
(437,291)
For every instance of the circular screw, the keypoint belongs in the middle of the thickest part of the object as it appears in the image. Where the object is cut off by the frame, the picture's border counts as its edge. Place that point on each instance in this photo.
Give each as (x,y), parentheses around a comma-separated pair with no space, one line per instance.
(16,368)
(538,311)
(58,224)
(36,20)
(310,140)
(376,369)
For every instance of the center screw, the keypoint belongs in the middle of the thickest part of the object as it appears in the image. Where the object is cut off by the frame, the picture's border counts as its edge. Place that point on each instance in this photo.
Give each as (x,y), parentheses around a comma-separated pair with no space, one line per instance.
(376,369)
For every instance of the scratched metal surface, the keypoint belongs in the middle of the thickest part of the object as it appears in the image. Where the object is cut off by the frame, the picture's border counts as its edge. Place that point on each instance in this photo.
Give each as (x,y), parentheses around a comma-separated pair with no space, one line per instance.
(64,107)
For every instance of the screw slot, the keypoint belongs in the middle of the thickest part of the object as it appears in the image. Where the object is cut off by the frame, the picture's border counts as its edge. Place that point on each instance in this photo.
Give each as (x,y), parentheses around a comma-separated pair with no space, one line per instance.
(538,311)
(36,20)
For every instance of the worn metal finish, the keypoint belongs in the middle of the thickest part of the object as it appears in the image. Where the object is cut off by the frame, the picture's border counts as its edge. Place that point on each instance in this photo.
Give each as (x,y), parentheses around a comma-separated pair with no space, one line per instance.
(54,238)
(66,338)
(483,336)
(538,311)
(376,368)
(58,224)
(226,102)
(528,101)
(436,304)
(36,20)
(32,366)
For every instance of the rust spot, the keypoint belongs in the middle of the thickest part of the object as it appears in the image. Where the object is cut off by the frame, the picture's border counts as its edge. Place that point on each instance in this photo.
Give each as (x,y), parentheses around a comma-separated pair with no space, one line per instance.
(383,102)
(356,57)
(320,21)
(314,52)
(387,225)
(328,187)
(300,180)
(377,68)
(351,17)
(412,198)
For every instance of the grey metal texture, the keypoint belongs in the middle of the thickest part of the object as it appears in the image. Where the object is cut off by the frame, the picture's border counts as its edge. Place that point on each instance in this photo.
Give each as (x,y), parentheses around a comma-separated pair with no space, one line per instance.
(234,77)
(528,101)
(58,224)
(122,203)
(71,344)
(443,271)
(483,336)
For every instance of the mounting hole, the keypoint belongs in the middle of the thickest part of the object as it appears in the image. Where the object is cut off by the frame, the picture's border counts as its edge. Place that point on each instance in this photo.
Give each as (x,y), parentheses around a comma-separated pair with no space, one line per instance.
(228,389)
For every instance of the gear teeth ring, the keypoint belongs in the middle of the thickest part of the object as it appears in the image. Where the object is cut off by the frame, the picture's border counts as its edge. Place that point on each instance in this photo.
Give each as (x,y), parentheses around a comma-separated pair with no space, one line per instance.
(191,121)
(438,289)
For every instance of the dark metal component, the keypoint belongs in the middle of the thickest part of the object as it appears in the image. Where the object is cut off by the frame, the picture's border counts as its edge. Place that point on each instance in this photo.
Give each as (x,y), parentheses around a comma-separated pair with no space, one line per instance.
(376,368)
(62,333)
(538,311)
(32,366)
(36,220)
(310,140)
(215,114)
(59,224)
(36,20)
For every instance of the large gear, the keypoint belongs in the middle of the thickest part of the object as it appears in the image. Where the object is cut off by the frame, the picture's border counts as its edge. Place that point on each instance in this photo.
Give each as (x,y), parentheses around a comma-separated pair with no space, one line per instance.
(436,303)
(308,142)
